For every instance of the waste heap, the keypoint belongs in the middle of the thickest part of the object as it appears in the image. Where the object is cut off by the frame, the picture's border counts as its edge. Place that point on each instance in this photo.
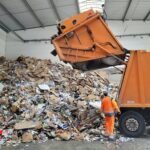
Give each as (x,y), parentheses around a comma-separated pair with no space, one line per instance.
(40,100)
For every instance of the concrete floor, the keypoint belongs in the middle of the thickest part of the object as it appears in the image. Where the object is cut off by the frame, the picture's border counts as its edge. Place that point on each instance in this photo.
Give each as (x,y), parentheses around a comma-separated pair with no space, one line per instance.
(137,144)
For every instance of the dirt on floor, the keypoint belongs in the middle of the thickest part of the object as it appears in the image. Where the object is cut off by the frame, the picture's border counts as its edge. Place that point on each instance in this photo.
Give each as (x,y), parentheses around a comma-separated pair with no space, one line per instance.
(142,143)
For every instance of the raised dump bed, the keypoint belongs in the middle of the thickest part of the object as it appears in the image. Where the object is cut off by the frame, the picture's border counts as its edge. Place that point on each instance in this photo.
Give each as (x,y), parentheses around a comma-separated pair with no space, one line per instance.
(85,39)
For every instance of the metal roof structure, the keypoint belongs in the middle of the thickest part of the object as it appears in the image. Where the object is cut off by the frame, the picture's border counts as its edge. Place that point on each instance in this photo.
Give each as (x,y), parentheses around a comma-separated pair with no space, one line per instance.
(16,15)
(26,14)
(122,10)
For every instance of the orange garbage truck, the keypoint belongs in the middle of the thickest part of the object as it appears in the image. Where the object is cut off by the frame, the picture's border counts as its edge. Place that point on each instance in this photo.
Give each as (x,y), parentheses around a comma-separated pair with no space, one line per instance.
(86,42)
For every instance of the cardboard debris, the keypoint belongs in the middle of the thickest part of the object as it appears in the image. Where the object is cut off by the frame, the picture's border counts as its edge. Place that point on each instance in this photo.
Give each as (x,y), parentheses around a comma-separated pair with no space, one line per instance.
(91,97)
(14,137)
(80,136)
(15,106)
(40,100)
(96,104)
(64,135)
(27,125)
(27,137)
(1,87)
(44,87)
(3,101)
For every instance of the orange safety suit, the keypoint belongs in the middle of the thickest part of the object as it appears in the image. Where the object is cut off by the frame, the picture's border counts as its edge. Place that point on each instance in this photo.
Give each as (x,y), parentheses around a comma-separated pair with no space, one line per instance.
(115,106)
(107,109)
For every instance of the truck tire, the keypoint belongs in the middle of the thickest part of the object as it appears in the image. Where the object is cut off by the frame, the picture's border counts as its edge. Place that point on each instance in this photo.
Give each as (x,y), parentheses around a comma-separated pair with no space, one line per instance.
(132,124)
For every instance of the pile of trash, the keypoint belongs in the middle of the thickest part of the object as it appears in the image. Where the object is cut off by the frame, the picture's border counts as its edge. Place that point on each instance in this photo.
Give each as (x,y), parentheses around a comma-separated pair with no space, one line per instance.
(40,100)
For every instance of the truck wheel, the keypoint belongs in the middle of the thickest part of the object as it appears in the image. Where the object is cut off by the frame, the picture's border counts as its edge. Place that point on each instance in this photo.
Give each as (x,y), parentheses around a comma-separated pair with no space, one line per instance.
(132,124)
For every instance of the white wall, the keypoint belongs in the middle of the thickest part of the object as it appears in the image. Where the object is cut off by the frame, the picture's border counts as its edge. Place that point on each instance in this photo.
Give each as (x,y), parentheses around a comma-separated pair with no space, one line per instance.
(136,43)
(2,42)
(132,27)
(15,48)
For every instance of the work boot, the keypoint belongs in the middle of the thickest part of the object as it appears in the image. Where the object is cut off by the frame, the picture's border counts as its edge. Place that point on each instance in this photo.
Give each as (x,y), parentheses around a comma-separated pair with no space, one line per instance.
(111,138)
(104,134)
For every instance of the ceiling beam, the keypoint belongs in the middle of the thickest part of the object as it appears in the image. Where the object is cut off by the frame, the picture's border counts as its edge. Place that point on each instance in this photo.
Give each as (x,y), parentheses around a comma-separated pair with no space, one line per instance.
(4,28)
(126,11)
(9,30)
(33,13)
(123,35)
(37,27)
(12,16)
(146,16)
(77,5)
(125,20)
(38,40)
(137,34)
(55,9)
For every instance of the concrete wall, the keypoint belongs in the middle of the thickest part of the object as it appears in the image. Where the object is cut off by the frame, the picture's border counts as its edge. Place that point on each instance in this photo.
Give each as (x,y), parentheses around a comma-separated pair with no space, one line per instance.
(136,43)
(2,42)
(15,48)
(132,27)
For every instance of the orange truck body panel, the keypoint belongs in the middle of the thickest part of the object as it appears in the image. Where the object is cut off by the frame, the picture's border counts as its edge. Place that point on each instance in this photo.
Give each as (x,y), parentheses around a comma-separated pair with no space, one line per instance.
(86,37)
(135,88)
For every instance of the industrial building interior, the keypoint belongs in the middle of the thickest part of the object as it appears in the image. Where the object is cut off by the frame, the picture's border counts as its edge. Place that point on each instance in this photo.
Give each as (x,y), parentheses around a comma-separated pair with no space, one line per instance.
(26,29)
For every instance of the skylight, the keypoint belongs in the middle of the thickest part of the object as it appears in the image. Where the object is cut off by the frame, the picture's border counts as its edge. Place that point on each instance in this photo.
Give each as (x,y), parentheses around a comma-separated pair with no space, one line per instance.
(91,4)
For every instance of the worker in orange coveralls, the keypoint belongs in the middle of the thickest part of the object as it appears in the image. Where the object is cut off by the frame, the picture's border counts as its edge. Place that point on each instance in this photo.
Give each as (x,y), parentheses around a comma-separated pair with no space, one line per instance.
(108,110)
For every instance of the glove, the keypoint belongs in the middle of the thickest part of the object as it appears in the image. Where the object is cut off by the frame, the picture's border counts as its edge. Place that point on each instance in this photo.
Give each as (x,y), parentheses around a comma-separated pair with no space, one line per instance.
(102,115)
(119,113)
